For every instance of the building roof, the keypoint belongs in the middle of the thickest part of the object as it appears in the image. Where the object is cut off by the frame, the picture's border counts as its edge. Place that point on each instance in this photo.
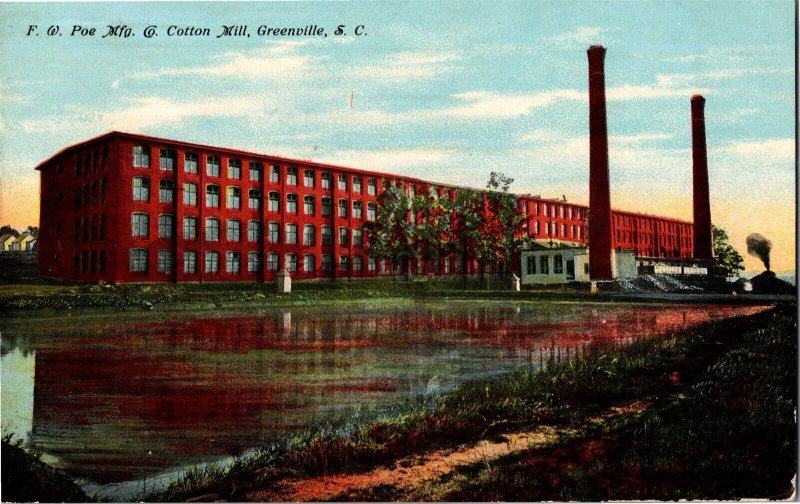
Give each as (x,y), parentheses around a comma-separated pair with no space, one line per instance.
(308,162)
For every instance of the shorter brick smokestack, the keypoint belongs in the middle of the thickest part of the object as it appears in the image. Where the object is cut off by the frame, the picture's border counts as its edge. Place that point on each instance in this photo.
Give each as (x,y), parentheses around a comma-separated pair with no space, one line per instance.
(599,189)
(701,205)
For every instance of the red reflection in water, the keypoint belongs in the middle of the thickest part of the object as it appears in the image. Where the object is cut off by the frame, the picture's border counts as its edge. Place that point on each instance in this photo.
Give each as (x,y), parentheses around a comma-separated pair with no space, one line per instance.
(129,400)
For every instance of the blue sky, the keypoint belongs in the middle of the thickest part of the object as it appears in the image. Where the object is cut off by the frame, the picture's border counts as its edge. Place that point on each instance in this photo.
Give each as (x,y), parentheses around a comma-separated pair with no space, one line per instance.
(446,91)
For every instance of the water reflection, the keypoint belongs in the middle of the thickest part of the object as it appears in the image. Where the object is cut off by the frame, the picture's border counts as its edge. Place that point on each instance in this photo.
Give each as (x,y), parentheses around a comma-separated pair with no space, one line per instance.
(124,400)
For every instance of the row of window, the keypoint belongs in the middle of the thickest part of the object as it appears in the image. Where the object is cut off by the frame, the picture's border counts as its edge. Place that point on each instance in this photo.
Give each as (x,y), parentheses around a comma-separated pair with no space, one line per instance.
(168,162)
(90,195)
(89,229)
(89,262)
(559,211)
(576,231)
(166,262)
(544,265)
(140,228)
(141,193)
(89,162)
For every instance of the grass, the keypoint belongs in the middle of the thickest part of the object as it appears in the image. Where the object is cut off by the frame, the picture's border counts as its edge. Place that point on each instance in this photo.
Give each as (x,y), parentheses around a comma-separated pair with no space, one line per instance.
(698,379)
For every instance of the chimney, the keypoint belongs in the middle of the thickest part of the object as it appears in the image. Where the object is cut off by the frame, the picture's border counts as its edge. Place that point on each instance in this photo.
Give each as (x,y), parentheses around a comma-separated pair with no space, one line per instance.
(599,192)
(700,204)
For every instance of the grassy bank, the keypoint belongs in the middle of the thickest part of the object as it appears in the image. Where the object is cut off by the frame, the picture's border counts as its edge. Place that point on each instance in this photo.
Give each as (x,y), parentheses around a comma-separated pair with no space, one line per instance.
(721,426)
(25,478)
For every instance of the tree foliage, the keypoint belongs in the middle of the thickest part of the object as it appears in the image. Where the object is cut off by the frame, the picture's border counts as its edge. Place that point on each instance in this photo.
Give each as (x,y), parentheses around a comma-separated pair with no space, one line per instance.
(477,225)
(727,256)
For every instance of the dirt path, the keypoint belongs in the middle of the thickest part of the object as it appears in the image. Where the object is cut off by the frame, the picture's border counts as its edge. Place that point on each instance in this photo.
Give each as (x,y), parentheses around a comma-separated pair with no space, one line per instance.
(407,473)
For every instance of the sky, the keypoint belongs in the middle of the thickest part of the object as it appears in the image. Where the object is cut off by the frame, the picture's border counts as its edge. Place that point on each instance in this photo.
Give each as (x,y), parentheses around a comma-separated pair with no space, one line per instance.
(446,91)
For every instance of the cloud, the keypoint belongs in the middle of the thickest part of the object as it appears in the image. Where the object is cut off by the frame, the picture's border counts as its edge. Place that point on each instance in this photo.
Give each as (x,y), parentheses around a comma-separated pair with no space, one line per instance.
(387,160)
(676,79)
(781,149)
(150,111)
(115,84)
(580,35)
(485,104)
(277,60)
(407,66)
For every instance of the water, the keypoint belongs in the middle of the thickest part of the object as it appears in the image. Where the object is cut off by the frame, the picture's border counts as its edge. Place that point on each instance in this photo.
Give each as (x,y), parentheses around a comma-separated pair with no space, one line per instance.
(133,396)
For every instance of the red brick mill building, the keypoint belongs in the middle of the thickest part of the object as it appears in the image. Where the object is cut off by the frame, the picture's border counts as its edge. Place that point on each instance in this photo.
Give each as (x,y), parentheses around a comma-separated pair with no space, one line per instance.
(131,208)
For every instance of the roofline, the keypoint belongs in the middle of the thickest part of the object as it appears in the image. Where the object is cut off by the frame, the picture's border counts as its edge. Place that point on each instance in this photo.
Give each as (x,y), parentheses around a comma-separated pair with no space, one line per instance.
(308,162)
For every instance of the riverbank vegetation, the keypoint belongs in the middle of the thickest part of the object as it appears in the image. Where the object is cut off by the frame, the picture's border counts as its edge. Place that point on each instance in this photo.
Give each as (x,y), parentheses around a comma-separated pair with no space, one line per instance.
(715,421)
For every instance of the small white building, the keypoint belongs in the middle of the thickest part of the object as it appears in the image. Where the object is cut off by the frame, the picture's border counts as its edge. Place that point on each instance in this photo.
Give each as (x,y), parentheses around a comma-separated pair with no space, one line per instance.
(570,264)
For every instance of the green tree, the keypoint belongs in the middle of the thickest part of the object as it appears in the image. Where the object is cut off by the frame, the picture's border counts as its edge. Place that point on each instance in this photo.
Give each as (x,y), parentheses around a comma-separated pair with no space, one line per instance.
(431,233)
(727,256)
(392,234)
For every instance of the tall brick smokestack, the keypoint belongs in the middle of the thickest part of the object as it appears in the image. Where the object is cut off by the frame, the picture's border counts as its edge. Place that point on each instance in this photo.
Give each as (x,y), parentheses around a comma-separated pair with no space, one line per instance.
(701,205)
(599,192)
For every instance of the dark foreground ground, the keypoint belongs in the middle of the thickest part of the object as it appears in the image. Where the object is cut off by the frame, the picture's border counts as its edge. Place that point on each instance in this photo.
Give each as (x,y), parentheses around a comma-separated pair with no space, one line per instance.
(703,414)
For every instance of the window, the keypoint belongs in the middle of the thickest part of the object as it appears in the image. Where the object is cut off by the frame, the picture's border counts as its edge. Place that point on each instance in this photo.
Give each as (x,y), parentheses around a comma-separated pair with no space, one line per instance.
(141,191)
(357,237)
(274,204)
(412,190)
(563,230)
(547,228)
(545,210)
(274,174)
(536,227)
(86,191)
(190,166)
(190,194)
(558,264)
(190,262)
(102,227)
(357,184)
(308,178)
(308,235)
(356,209)
(166,261)
(212,166)
(253,261)
(101,261)
(342,182)
(343,263)
(138,260)
(371,186)
(308,263)
(234,228)
(212,262)
(168,159)
(253,231)
(371,263)
(94,194)
(291,176)
(141,157)
(327,181)
(166,191)
(291,234)
(274,233)
(212,229)
(561,211)
(272,261)
(531,265)
(327,263)
(140,223)
(342,208)
(327,235)
(234,169)
(212,196)
(255,173)
(189,228)
(232,265)
(372,211)
(234,200)
(78,196)
(327,206)
(357,263)
(343,237)
(544,265)
(291,203)
(308,205)
(291,262)
(166,228)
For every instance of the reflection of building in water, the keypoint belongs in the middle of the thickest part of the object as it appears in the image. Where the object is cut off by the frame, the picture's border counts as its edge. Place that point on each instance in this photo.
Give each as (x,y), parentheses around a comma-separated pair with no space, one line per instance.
(136,399)
(17,397)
